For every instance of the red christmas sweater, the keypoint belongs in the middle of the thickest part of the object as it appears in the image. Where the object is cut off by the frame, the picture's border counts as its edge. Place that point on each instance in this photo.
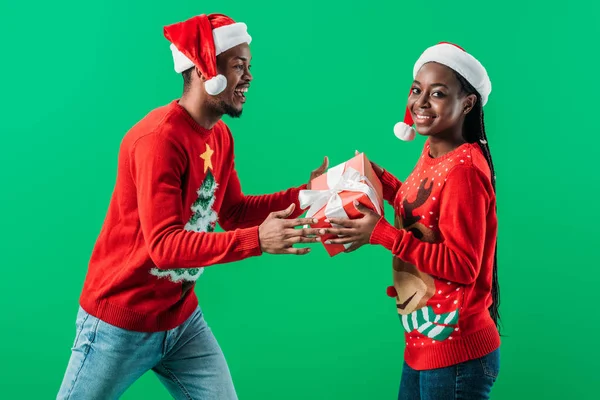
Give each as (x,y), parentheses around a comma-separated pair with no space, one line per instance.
(443,242)
(175,181)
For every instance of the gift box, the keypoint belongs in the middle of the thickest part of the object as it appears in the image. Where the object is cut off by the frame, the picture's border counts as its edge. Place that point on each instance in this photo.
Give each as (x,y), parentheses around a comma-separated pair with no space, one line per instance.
(332,195)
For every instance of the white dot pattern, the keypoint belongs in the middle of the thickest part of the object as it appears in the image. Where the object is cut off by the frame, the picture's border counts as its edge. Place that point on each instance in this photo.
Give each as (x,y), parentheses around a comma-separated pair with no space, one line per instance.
(431,175)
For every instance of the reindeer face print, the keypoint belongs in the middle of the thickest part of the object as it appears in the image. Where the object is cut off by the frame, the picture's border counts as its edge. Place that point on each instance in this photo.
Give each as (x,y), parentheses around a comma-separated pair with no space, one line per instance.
(413,288)
(411,221)
(428,306)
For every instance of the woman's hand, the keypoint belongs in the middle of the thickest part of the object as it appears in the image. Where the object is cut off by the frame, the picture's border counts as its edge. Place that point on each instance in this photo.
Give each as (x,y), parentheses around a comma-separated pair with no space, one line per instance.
(355,231)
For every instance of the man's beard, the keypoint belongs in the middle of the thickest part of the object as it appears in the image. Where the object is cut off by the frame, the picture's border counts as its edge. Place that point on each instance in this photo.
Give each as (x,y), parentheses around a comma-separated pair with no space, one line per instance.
(229,110)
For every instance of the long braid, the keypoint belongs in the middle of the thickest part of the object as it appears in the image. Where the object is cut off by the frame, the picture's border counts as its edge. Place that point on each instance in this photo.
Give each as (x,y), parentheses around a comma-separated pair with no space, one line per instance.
(474,132)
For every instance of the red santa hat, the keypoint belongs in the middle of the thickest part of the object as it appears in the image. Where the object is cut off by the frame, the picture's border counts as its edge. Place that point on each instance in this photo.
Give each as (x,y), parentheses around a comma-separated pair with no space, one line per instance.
(199,40)
(458,59)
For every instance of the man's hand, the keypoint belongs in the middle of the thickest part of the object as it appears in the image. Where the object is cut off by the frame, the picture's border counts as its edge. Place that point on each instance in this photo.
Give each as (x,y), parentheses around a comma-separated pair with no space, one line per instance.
(277,235)
(378,170)
(318,172)
(355,231)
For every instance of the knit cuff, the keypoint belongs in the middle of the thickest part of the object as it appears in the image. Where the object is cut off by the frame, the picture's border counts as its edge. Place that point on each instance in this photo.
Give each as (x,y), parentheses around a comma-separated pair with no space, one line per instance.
(385,234)
(295,192)
(391,185)
(248,240)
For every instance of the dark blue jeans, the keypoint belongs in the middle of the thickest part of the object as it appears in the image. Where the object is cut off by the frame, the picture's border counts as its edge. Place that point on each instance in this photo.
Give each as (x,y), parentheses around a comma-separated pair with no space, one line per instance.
(472,380)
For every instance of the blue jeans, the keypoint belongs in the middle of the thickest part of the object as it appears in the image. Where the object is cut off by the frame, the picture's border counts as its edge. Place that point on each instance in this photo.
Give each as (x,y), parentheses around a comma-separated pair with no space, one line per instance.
(471,380)
(106,360)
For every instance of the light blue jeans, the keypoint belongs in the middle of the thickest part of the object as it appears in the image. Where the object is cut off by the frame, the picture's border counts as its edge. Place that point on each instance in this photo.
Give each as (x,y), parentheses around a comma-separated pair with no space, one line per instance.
(106,360)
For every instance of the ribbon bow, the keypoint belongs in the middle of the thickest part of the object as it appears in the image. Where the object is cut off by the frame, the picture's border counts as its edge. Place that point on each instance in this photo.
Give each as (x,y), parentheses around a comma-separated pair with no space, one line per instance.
(338,181)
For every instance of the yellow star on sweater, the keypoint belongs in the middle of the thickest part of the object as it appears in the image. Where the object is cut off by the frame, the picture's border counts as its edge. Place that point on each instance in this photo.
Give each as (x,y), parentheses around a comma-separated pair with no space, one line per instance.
(206,156)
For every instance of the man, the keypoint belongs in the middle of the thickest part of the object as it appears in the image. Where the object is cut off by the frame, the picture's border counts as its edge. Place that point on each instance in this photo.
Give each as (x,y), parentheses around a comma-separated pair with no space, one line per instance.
(176,179)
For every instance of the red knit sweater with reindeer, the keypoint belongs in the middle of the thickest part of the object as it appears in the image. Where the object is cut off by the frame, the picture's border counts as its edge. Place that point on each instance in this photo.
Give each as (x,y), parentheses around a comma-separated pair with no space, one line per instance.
(175,182)
(443,241)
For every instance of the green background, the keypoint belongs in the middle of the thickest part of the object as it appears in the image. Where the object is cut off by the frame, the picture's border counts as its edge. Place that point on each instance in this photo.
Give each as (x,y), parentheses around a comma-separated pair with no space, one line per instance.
(330,77)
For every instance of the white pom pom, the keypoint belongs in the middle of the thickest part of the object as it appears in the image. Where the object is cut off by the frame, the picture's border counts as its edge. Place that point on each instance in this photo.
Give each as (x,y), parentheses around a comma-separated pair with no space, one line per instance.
(404,132)
(215,85)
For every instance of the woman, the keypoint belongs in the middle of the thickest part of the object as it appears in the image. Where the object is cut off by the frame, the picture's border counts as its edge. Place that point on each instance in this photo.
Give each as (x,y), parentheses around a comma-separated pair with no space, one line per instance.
(444,236)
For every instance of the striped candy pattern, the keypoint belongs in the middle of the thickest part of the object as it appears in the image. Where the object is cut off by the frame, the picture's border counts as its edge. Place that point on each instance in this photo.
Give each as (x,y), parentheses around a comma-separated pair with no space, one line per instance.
(435,326)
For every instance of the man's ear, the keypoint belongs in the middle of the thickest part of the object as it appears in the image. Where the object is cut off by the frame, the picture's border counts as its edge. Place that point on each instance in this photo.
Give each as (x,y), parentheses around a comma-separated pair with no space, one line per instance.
(199,74)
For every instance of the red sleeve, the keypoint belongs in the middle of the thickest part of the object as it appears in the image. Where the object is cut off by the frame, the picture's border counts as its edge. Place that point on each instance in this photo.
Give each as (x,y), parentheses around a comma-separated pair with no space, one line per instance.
(242,211)
(391,185)
(157,165)
(465,201)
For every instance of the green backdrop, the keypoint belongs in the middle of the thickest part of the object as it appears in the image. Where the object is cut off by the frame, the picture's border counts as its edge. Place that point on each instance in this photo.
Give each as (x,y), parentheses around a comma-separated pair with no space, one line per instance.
(330,77)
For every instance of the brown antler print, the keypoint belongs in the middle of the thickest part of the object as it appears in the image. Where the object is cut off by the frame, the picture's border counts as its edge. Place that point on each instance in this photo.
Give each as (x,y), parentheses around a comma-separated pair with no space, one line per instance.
(422,196)
(413,287)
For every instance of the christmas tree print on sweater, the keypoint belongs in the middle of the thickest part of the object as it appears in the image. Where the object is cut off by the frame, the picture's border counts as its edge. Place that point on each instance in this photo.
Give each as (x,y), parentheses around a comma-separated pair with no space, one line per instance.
(203,219)
(427,307)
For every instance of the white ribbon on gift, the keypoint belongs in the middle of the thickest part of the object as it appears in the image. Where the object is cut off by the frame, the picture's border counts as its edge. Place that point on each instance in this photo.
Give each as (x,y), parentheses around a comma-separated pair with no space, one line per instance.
(338,181)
